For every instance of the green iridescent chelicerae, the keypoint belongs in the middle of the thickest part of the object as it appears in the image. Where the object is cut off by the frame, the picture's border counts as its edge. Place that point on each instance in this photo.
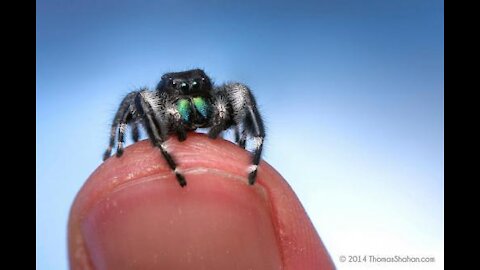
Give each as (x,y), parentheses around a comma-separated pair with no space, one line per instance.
(192,106)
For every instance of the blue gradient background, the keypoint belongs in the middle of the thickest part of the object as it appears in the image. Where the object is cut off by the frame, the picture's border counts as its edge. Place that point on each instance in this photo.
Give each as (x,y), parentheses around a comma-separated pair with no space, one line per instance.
(352,93)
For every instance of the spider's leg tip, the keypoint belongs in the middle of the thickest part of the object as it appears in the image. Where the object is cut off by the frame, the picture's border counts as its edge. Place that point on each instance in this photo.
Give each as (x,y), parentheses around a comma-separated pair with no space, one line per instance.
(252,177)
(211,136)
(181,179)
(241,143)
(119,152)
(106,155)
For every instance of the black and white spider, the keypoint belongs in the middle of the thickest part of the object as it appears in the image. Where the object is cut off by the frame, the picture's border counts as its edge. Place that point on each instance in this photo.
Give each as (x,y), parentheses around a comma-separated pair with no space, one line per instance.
(185,101)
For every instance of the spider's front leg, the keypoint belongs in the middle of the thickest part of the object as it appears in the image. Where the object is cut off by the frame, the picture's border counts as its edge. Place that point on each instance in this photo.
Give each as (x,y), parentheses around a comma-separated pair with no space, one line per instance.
(122,118)
(157,130)
(246,114)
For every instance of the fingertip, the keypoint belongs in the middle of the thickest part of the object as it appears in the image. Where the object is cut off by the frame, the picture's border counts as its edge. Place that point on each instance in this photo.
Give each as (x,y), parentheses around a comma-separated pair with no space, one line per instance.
(264,224)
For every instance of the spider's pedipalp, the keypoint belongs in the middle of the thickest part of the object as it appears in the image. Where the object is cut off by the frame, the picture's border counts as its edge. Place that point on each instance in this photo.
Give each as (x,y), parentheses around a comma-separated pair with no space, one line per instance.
(221,117)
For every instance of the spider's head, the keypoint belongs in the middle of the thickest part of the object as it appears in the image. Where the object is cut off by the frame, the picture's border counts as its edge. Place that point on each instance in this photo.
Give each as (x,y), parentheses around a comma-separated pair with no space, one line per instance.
(190,82)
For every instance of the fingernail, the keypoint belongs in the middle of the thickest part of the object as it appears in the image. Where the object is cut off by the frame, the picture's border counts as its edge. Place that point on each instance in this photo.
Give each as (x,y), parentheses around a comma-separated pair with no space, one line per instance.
(216,222)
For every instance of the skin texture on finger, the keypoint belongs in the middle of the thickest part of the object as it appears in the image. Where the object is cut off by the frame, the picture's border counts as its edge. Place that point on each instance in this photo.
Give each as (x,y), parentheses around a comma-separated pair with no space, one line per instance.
(132,214)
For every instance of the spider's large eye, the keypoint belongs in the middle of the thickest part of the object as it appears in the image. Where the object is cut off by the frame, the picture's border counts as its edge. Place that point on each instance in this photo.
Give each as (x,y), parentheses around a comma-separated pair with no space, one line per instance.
(195,85)
(184,86)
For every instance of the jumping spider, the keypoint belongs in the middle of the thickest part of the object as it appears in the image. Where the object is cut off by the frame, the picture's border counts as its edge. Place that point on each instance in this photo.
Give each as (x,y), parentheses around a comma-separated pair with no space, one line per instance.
(185,101)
